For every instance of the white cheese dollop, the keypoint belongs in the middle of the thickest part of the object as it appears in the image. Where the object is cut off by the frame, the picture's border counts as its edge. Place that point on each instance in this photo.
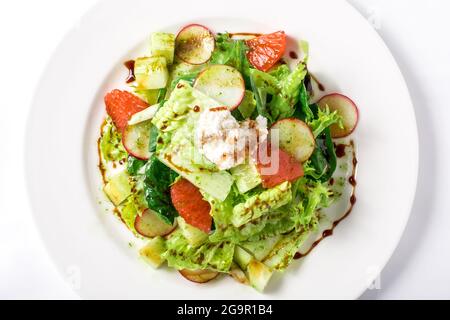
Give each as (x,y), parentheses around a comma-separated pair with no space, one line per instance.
(226,142)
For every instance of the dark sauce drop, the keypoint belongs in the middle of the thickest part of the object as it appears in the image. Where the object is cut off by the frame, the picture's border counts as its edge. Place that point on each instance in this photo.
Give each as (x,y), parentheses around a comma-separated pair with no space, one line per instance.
(196,109)
(352,181)
(293,55)
(327,233)
(331,182)
(130,66)
(319,84)
(340,150)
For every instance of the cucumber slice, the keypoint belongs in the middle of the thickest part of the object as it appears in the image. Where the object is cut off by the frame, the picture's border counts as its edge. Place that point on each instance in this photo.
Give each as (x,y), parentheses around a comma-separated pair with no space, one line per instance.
(259,275)
(194,236)
(246,177)
(199,276)
(118,188)
(261,249)
(238,274)
(223,83)
(136,140)
(150,225)
(296,138)
(194,44)
(148,95)
(163,45)
(346,108)
(151,72)
(144,115)
(242,257)
(153,251)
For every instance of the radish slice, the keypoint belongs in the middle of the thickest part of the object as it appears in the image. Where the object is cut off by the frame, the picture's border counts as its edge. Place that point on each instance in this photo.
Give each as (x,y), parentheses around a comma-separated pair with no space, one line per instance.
(136,140)
(194,44)
(150,225)
(346,108)
(199,276)
(296,138)
(223,83)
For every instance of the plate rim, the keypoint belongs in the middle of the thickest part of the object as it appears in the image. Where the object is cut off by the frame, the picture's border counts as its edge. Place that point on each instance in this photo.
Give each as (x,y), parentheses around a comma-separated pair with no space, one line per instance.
(92,9)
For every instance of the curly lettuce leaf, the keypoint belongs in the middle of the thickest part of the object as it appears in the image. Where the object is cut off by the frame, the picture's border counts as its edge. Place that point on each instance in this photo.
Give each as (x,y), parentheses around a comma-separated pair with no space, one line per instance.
(310,197)
(213,256)
(290,86)
(280,72)
(131,208)
(231,52)
(283,87)
(324,119)
(261,204)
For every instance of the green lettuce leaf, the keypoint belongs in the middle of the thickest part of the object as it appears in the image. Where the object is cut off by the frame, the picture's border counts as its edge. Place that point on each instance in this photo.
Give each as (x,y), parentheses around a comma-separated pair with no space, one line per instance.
(214,256)
(231,52)
(324,119)
(111,147)
(260,204)
(131,208)
(309,197)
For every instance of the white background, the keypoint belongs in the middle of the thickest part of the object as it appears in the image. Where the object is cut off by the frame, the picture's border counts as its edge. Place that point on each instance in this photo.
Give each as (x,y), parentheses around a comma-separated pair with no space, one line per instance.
(415,31)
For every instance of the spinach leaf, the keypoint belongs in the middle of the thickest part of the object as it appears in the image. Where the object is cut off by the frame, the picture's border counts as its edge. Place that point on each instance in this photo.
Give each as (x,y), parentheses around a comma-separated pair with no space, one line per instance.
(134,165)
(303,110)
(323,159)
(157,182)
(304,102)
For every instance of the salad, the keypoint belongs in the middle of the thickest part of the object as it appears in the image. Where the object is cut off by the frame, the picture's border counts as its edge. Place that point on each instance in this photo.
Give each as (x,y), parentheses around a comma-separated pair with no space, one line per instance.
(217,156)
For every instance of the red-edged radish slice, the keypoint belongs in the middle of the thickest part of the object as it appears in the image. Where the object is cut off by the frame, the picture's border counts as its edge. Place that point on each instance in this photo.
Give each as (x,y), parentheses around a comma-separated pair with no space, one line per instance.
(346,108)
(199,276)
(194,44)
(223,83)
(136,140)
(150,225)
(296,138)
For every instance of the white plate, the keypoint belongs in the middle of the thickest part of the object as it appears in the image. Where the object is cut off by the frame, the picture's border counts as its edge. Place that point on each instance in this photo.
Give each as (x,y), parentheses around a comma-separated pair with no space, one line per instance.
(91,246)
